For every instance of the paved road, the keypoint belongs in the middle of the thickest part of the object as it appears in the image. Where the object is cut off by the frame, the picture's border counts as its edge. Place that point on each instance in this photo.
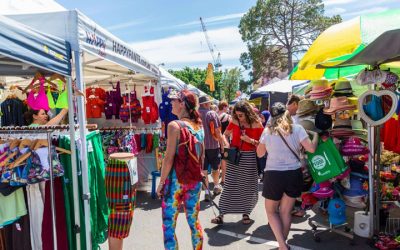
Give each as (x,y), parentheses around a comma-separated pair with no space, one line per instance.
(146,231)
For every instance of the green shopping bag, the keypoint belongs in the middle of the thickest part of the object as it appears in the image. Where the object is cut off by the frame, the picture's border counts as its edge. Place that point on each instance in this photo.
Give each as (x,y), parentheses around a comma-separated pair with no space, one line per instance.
(326,162)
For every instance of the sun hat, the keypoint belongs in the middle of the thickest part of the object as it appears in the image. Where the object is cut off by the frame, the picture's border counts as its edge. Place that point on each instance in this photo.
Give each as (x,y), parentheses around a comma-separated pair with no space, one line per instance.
(323,121)
(277,109)
(337,104)
(320,89)
(324,190)
(353,146)
(337,211)
(204,99)
(356,186)
(306,106)
(343,88)
(174,94)
(342,128)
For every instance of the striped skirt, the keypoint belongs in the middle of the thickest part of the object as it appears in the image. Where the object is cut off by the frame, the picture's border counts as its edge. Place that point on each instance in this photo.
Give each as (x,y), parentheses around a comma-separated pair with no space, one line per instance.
(121,198)
(240,193)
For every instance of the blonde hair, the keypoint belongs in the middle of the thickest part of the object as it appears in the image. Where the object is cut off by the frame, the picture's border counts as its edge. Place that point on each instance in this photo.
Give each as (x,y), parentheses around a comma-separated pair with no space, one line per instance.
(283,123)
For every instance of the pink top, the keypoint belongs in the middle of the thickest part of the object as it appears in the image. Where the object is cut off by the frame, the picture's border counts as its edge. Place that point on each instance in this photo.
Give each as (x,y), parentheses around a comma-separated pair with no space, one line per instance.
(40,101)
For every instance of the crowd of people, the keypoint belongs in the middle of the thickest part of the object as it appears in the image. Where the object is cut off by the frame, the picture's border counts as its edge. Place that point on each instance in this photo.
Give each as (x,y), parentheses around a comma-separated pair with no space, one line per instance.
(268,145)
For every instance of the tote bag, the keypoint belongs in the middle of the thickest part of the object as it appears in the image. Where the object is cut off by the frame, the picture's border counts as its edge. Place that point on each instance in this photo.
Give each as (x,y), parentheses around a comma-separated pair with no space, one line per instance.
(326,162)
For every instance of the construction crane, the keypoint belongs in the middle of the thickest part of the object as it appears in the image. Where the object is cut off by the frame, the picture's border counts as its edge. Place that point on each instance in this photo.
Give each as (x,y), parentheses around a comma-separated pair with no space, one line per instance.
(216,60)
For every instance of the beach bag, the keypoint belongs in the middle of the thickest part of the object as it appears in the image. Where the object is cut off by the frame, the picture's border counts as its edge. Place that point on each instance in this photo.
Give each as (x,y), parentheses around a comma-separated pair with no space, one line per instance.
(326,162)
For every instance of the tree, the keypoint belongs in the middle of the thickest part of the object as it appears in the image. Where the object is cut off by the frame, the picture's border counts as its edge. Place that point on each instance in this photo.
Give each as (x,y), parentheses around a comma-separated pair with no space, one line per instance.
(275,30)
(230,83)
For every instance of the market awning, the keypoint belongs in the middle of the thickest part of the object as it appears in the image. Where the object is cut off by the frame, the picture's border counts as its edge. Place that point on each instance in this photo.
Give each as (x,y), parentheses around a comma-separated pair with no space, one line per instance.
(24,51)
(283,86)
(169,80)
(107,55)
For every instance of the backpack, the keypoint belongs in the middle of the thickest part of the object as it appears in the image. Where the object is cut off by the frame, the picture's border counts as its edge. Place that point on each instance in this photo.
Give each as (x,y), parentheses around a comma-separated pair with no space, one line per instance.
(187,163)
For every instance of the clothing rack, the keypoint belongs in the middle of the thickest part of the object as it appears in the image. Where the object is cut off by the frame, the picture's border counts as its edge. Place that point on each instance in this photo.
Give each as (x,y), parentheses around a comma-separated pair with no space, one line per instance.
(132,128)
(48,130)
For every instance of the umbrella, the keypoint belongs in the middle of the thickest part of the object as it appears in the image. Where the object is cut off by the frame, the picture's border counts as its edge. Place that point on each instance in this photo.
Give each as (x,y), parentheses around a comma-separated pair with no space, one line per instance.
(341,42)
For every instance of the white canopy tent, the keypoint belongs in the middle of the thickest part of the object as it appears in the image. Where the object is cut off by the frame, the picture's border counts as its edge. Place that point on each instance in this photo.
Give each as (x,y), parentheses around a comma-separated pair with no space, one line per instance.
(282,86)
(169,80)
(98,56)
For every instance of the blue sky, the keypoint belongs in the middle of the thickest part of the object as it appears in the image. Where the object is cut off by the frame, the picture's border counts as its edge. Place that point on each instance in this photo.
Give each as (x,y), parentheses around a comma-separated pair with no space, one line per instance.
(169,31)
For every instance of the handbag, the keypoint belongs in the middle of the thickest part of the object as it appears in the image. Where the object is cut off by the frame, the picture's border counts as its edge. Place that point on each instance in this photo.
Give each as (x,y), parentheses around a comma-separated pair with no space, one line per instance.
(233,154)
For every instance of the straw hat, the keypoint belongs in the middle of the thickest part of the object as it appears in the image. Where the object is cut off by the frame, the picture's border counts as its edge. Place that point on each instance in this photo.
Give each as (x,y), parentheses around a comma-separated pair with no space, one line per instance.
(306,106)
(337,104)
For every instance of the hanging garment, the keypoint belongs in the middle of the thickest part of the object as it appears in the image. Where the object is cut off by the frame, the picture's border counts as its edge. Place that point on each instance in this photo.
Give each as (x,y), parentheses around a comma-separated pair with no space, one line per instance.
(50,98)
(17,235)
(150,108)
(13,110)
(109,106)
(124,110)
(62,100)
(98,199)
(165,110)
(38,101)
(36,210)
(94,107)
(136,109)
(117,99)
(97,92)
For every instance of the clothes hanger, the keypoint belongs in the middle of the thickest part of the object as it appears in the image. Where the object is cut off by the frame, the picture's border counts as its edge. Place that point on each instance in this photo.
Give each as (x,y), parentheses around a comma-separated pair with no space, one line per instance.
(25,143)
(43,143)
(37,77)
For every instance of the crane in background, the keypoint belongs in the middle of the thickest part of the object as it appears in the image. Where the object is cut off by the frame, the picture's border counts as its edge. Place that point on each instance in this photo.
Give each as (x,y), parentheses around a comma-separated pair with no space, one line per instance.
(216,60)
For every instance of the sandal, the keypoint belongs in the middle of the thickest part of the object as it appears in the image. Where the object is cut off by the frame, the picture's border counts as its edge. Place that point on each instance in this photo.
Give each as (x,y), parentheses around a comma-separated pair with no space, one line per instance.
(246,219)
(218,220)
(298,213)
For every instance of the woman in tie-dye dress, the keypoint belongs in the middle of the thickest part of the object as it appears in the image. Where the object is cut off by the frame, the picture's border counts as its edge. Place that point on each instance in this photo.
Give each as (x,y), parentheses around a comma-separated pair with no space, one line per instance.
(173,192)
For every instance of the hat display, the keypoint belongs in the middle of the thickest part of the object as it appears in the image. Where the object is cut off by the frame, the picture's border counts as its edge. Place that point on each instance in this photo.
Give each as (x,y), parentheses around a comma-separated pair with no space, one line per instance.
(204,99)
(323,121)
(390,81)
(337,104)
(277,109)
(342,128)
(337,211)
(308,200)
(343,88)
(306,107)
(356,186)
(320,90)
(353,146)
(358,166)
(323,190)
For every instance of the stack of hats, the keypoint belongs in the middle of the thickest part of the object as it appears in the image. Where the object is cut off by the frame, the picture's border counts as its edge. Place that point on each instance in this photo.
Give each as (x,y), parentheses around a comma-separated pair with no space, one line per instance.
(358,129)
(337,211)
(354,197)
(322,190)
(340,103)
(323,121)
(343,88)
(353,146)
(342,128)
(306,107)
(320,90)
(358,168)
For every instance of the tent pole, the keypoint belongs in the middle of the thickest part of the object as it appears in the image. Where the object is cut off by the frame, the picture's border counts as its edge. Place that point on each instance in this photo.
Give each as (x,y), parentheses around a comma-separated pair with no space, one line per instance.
(371,169)
(71,121)
(83,152)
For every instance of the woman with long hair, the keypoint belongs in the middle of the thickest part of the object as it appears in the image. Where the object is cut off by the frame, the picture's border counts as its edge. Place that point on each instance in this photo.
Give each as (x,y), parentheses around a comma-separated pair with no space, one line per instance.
(240,193)
(283,179)
(172,191)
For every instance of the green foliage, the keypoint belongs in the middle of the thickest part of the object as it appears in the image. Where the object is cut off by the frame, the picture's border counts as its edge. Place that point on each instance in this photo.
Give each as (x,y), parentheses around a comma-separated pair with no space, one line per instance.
(231,83)
(275,30)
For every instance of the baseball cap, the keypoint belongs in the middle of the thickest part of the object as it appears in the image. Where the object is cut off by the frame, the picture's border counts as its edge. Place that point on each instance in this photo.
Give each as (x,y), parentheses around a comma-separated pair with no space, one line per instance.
(337,211)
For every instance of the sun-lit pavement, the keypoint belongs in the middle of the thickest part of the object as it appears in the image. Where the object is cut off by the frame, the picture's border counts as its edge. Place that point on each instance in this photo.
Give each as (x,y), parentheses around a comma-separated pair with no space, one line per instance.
(146,231)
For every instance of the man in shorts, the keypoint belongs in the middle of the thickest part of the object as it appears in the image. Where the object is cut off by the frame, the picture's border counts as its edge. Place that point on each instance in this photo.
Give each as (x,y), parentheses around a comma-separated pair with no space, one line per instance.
(213,143)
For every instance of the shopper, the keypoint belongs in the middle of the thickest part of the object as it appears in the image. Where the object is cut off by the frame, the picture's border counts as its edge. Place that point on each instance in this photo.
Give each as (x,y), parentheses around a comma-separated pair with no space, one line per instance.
(283,180)
(224,118)
(264,117)
(240,193)
(213,144)
(173,192)
(40,117)
(292,105)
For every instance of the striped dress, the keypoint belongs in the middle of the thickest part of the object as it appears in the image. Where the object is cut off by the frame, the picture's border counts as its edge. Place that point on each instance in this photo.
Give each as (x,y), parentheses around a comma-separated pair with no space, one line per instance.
(240,193)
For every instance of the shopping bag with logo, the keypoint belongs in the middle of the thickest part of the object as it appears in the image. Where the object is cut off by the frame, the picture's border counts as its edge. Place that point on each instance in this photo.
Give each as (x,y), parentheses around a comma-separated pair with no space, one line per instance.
(326,162)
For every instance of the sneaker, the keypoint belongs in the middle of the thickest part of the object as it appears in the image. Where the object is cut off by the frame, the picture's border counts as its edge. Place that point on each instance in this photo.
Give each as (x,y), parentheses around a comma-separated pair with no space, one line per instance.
(217,190)
(207,197)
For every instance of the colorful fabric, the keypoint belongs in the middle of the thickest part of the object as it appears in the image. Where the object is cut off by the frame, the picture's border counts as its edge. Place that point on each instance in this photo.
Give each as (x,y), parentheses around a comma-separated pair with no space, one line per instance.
(120,221)
(210,123)
(118,184)
(38,101)
(150,108)
(175,194)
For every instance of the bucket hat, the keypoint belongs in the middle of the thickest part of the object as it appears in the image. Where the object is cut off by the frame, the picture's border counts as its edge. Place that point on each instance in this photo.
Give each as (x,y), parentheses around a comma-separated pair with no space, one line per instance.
(356,187)
(343,88)
(323,121)
(337,104)
(306,106)
(337,211)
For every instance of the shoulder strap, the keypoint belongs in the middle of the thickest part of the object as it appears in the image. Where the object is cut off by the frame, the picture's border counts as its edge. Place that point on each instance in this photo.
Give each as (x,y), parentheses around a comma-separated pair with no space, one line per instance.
(283,139)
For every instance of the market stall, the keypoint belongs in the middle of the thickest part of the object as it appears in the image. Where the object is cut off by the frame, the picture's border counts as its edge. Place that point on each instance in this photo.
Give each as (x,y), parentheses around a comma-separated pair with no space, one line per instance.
(111,69)
(374,63)
(24,52)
